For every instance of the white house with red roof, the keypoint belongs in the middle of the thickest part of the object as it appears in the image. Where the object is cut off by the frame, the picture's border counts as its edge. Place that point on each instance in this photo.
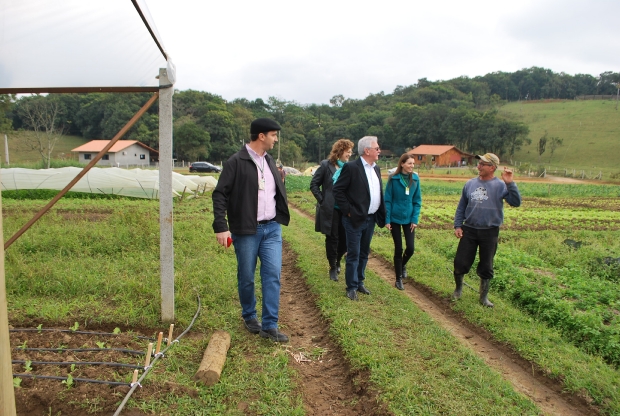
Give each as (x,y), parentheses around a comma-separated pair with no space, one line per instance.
(123,153)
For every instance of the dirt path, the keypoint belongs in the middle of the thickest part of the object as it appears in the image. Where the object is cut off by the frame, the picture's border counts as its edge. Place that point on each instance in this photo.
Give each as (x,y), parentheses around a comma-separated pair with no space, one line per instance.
(328,387)
(522,374)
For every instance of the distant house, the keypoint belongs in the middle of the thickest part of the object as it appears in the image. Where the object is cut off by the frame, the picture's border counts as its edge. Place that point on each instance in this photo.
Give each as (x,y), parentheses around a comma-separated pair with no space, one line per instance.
(441,155)
(123,153)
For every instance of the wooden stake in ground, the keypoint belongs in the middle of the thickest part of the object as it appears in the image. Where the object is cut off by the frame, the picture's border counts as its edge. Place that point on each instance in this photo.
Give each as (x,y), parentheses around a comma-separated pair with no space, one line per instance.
(213,359)
(7,394)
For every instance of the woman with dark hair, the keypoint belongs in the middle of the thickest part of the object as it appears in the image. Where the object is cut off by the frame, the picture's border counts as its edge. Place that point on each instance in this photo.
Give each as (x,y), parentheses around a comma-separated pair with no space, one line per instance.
(328,216)
(403,201)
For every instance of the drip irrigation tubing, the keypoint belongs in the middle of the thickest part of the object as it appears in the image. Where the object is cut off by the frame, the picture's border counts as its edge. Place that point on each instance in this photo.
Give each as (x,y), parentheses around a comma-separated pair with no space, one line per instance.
(62,363)
(134,352)
(157,356)
(75,332)
(83,380)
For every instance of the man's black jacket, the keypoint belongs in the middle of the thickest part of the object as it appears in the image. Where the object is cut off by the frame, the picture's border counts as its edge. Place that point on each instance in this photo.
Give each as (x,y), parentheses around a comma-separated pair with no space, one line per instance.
(352,193)
(236,195)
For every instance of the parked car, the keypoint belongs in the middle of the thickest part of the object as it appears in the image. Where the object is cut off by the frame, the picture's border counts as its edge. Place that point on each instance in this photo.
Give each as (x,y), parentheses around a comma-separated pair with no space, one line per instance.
(204,167)
(291,171)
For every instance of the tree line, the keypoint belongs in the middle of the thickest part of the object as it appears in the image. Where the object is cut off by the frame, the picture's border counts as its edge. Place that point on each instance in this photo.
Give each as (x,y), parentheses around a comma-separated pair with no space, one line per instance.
(462,111)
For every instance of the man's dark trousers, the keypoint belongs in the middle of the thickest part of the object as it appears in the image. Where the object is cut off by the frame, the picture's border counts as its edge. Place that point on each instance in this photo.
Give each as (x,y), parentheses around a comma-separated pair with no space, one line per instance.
(473,238)
(358,249)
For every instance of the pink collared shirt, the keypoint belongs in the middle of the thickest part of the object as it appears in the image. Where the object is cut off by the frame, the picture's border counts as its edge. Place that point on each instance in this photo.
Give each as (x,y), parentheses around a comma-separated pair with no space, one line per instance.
(266,197)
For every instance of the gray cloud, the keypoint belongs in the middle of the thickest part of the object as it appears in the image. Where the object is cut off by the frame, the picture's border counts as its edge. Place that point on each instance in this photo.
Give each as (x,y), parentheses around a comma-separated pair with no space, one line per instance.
(310,53)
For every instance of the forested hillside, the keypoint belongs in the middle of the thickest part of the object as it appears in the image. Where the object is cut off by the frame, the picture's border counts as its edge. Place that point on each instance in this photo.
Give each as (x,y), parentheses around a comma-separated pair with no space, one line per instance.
(463,111)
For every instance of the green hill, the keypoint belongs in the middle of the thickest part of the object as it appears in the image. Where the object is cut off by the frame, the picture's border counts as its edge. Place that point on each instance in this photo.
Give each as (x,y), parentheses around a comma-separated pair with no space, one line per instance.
(20,151)
(590,131)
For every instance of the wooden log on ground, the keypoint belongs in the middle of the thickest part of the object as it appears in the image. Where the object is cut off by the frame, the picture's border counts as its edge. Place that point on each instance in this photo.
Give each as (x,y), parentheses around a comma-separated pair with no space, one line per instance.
(213,359)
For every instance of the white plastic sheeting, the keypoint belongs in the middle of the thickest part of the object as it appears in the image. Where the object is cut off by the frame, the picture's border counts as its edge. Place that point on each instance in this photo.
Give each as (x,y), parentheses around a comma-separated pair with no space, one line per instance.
(79,43)
(136,183)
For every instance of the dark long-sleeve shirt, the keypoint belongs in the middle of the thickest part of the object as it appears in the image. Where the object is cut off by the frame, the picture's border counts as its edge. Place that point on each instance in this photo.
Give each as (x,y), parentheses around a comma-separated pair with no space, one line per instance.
(482,203)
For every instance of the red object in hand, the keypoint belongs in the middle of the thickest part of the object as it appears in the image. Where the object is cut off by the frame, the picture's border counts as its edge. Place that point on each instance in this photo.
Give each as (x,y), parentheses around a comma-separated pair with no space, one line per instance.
(228,242)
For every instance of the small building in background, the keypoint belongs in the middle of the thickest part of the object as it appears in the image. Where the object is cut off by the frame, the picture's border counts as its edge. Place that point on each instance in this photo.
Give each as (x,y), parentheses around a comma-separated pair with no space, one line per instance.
(124,153)
(441,155)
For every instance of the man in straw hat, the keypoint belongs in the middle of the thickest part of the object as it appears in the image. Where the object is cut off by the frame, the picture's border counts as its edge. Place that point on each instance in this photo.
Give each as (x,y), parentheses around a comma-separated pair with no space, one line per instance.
(478,217)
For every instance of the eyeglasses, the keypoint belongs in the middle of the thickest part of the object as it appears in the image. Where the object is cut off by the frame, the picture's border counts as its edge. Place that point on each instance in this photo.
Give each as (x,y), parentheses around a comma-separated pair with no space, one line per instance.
(378,149)
(484,164)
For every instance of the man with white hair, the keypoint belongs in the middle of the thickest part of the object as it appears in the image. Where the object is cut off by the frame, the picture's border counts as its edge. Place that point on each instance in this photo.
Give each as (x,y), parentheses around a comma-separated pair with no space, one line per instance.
(477,220)
(359,195)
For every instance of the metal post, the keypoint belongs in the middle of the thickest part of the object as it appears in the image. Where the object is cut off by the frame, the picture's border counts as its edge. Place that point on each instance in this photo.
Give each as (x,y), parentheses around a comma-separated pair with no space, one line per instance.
(319,138)
(166,248)
(7,393)
(6,150)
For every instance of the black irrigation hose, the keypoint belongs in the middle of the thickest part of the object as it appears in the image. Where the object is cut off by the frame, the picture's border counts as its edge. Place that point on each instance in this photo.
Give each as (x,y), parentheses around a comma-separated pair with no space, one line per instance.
(84,380)
(73,332)
(157,356)
(61,363)
(134,352)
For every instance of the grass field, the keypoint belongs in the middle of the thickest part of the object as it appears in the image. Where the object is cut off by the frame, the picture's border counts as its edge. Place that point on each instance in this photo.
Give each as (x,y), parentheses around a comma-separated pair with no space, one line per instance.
(22,154)
(589,129)
(96,262)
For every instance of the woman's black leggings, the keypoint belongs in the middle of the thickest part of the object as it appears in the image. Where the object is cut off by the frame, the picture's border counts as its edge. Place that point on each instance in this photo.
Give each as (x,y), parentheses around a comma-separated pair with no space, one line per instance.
(401,258)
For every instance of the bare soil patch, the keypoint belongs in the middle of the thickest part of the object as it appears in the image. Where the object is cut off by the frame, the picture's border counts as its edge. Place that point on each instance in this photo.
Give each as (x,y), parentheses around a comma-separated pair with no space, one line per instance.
(327,384)
(38,396)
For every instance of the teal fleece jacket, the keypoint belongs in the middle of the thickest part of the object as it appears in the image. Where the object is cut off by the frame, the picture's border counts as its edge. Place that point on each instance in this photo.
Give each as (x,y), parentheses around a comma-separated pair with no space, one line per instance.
(400,207)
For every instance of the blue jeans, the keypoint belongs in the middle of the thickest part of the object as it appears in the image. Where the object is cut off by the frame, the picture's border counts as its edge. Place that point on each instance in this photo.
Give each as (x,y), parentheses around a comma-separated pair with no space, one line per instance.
(265,245)
(358,249)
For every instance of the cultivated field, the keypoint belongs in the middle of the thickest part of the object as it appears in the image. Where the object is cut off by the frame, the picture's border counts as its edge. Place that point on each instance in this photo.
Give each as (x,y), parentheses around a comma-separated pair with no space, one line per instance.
(550,346)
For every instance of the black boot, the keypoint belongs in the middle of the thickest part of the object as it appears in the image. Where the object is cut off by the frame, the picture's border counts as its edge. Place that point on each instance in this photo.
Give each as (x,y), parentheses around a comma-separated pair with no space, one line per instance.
(399,284)
(404,260)
(338,265)
(333,274)
(458,279)
(398,266)
(484,291)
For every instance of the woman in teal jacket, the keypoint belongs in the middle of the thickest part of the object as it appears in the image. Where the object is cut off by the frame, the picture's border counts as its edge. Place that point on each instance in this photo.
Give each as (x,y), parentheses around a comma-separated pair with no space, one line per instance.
(403,200)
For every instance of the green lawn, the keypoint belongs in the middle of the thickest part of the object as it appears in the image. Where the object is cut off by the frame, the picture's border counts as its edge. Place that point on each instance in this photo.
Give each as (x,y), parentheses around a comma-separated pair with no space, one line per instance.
(96,262)
(21,152)
(589,129)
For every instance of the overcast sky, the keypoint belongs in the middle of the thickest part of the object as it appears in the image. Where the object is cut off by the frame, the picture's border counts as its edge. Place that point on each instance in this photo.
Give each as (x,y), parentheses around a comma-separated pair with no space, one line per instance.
(310,51)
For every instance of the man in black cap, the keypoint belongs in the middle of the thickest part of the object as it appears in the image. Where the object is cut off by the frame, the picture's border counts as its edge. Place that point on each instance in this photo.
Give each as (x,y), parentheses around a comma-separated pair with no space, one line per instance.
(250,192)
